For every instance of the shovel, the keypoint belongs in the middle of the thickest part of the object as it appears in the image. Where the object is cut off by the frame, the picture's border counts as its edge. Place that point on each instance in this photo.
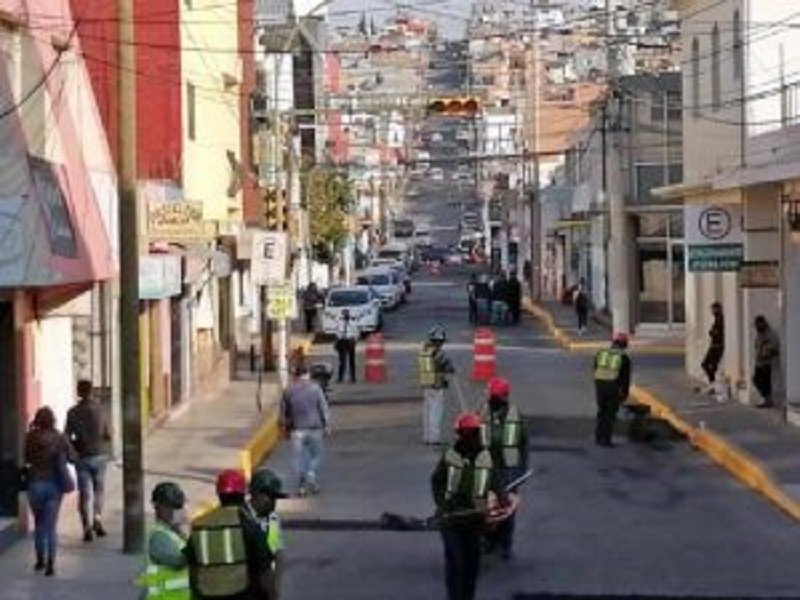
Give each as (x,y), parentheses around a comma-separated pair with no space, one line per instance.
(394,522)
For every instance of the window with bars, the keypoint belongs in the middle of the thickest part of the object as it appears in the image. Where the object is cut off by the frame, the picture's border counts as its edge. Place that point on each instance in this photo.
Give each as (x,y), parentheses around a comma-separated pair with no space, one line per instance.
(738,46)
(696,77)
(716,74)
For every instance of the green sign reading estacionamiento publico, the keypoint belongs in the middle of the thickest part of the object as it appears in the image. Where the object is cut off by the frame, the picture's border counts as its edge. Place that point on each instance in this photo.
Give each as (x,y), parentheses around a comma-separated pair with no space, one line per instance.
(715,258)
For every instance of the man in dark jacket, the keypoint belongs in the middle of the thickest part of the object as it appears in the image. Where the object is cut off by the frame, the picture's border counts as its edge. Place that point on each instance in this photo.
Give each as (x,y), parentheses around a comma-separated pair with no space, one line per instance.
(612,377)
(514,292)
(89,432)
(716,347)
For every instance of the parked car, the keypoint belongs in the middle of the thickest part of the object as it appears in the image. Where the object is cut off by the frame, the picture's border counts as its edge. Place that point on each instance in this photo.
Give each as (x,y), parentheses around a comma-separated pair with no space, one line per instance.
(422,236)
(363,303)
(437,174)
(399,252)
(386,282)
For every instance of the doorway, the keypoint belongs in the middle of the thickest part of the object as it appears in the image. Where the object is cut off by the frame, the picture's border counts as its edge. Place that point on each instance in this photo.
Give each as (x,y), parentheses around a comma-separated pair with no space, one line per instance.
(9,414)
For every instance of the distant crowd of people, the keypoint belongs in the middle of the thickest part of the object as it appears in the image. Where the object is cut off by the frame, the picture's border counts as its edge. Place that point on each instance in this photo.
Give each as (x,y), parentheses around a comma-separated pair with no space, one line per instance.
(495,300)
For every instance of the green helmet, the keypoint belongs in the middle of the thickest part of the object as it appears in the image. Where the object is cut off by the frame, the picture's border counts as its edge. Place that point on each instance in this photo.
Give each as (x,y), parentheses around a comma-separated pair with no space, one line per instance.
(168,494)
(266,482)
(437,333)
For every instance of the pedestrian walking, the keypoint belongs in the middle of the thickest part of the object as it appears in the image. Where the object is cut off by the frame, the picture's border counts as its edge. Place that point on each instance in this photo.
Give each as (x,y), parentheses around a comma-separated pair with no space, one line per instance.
(434,367)
(311,300)
(716,348)
(89,432)
(305,418)
(227,553)
(581,300)
(483,300)
(166,575)
(266,488)
(499,304)
(347,334)
(612,378)
(514,287)
(472,298)
(464,486)
(47,452)
(503,433)
(767,359)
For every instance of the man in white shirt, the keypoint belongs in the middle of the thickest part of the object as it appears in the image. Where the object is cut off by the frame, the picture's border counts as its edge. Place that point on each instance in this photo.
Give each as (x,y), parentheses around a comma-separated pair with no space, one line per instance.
(347,333)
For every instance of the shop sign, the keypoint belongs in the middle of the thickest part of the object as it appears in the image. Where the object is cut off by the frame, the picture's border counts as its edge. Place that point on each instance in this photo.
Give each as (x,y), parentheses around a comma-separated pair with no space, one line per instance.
(221,264)
(159,276)
(175,220)
(270,257)
(714,259)
(713,237)
(760,274)
(281,301)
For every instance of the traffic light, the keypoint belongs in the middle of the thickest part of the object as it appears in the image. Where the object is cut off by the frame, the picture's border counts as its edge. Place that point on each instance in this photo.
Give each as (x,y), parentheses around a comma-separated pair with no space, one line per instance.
(464,106)
(272,210)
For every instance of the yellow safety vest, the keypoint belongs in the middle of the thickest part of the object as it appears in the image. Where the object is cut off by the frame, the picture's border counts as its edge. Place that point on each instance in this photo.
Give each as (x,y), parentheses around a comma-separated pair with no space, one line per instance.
(608,365)
(457,466)
(218,542)
(162,582)
(429,375)
(512,434)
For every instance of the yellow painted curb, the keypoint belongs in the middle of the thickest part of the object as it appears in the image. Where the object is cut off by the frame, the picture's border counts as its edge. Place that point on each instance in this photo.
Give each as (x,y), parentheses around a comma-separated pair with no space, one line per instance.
(257,448)
(260,445)
(568,343)
(734,460)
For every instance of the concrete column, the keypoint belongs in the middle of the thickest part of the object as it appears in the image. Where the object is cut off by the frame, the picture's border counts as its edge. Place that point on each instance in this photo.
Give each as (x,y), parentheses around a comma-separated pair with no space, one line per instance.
(619,279)
(791,334)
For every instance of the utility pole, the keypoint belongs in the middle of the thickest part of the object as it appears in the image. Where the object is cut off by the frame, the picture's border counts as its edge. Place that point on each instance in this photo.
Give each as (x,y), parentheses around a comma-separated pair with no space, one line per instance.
(132,477)
(535,191)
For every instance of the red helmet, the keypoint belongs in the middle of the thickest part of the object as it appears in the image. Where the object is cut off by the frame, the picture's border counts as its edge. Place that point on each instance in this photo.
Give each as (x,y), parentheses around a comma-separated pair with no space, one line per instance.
(231,481)
(468,420)
(499,388)
(620,339)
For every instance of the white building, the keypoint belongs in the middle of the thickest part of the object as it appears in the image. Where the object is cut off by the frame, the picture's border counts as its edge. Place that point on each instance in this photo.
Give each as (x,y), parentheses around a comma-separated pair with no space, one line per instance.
(738,159)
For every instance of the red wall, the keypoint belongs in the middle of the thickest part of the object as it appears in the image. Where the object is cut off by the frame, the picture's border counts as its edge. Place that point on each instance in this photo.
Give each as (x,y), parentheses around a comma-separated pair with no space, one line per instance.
(253,206)
(158,79)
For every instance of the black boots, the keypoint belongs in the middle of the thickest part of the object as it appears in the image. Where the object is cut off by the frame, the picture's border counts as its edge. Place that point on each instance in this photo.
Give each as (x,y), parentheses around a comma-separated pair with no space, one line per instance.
(48,566)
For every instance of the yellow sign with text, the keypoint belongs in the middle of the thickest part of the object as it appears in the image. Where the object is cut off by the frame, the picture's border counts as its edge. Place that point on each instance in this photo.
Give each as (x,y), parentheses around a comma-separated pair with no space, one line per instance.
(281,301)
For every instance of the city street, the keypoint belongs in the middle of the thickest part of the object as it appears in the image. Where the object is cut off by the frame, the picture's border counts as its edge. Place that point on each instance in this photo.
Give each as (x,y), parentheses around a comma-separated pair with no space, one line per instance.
(644,520)
(596,522)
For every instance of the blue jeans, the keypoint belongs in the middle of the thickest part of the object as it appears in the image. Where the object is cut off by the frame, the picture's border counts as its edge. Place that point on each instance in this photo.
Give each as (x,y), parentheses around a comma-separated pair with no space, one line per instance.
(91,471)
(44,497)
(307,444)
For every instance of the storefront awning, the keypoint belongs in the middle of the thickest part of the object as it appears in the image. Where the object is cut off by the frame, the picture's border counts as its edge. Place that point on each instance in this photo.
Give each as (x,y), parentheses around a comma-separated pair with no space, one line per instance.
(756,175)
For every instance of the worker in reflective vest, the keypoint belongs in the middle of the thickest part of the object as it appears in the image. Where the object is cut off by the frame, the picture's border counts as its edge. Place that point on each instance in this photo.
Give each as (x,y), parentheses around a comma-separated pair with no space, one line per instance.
(266,489)
(503,433)
(434,367)
(612,378)
(227,554)
(465,489)
(166,576)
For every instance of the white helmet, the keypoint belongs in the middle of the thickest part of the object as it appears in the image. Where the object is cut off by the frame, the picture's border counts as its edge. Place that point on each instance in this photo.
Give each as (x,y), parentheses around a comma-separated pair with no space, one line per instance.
(437,333)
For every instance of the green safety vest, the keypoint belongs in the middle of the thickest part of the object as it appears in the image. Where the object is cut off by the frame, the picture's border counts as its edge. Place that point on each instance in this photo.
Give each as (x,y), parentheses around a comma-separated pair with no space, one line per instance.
(510,439)
(429,375)
(219,545)
(272,527)
(457,467)
(162,582)
(608,364)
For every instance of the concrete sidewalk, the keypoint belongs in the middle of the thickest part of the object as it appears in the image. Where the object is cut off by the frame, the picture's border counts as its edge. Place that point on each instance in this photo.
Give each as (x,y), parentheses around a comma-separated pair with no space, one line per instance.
(200,440)
(562,323)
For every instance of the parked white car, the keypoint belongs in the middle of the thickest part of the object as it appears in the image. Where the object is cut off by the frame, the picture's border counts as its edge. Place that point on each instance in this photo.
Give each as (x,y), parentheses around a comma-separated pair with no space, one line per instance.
(363,303)
(386,282)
